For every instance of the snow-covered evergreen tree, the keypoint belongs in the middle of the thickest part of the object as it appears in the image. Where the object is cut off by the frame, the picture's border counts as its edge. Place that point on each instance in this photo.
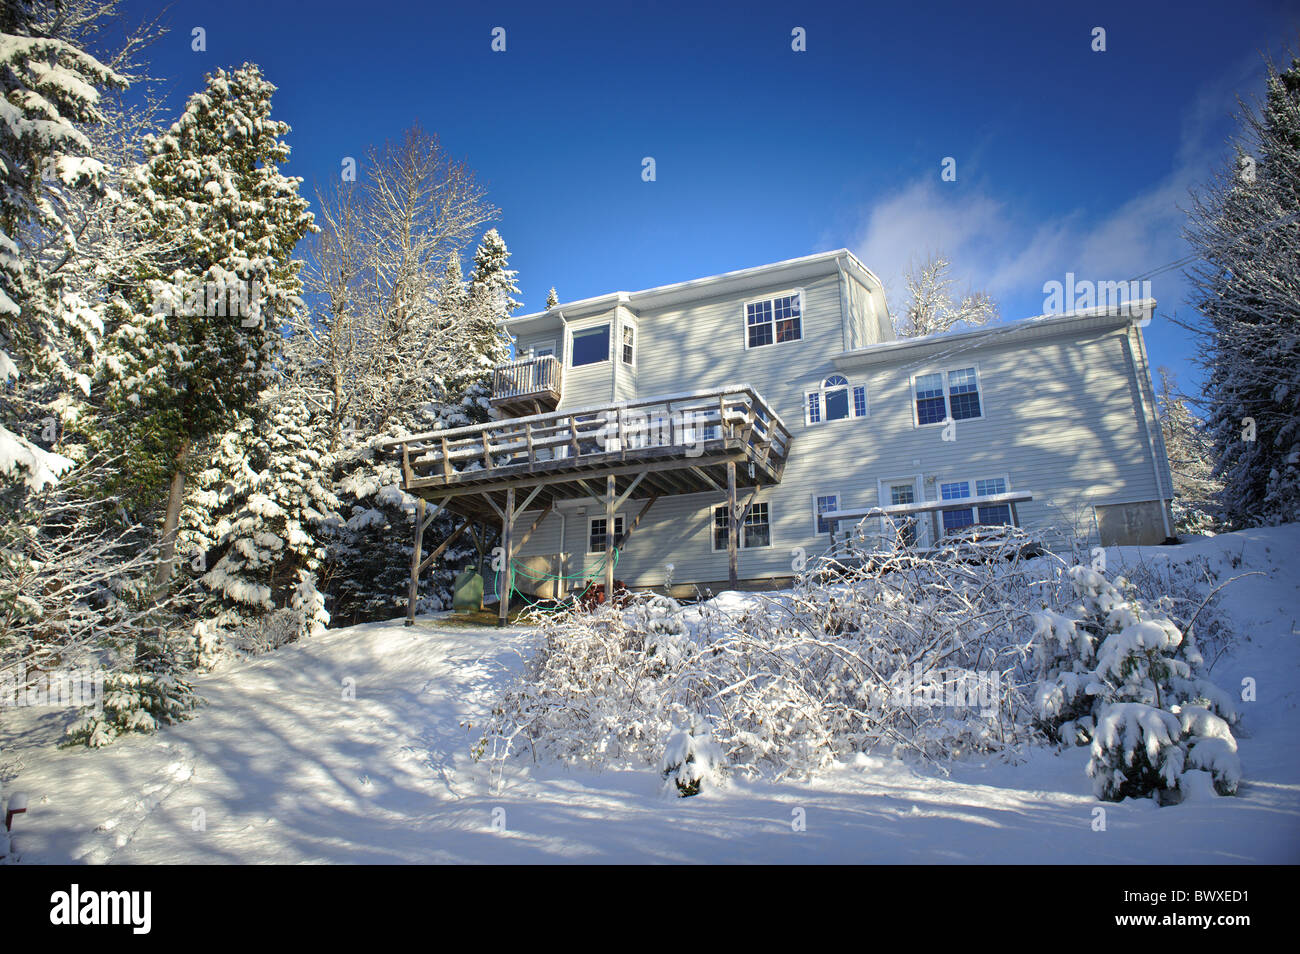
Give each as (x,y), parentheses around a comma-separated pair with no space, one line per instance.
(50,92)
(552,299)
(257,523)
(1196,506)
(199,327)
(1246,227)
(692,760)
(1119,674)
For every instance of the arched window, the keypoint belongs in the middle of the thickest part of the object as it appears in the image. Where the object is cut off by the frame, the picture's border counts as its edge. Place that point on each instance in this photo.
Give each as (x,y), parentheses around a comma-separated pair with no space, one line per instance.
(836,400)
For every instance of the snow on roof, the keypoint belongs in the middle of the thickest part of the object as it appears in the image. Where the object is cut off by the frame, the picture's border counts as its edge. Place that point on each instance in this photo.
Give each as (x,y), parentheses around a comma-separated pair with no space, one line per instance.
(821,262)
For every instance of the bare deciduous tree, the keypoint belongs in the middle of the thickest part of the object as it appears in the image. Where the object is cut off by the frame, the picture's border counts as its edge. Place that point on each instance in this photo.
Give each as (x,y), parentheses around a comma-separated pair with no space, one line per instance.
(381,328)
(934,307)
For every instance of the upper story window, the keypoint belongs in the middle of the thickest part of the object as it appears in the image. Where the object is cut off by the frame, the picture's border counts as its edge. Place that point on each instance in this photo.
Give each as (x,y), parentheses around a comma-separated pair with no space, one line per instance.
(629,344)
(774,320)
(954,393)
(835,400)
(590,346)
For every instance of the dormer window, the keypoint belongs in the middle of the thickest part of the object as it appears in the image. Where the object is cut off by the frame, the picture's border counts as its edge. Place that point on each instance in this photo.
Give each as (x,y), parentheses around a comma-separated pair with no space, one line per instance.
(774,320)
(835,400)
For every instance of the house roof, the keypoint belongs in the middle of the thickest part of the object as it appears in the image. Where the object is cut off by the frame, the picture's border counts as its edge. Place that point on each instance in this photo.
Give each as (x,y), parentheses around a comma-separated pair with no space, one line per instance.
(662,296)
(1040,326)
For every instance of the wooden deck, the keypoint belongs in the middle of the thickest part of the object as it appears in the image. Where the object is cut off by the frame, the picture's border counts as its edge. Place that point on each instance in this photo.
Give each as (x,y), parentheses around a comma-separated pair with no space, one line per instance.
(678,444)
(701,442)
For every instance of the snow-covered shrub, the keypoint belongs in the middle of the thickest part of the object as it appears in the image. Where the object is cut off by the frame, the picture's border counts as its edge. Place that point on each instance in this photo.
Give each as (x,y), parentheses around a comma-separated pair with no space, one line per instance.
(1140,751)
(920,654)
(1135,752)
(150,694)
(692,760)
(1113,646)
(1116,672)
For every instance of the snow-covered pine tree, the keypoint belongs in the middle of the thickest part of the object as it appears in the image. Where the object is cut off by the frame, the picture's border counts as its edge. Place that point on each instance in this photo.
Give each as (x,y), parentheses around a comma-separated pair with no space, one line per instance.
(199,328)
(1120,674)
(269,538)
(49,94)
(1196,507)
(1245,225)
(552,299)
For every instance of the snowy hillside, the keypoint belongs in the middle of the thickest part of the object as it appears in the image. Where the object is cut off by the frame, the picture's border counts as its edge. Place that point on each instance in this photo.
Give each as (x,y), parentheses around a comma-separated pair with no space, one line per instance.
(284,765)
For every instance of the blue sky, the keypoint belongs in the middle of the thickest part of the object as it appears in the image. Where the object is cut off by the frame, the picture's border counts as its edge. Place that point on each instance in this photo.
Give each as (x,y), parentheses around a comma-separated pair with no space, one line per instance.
(1067,159)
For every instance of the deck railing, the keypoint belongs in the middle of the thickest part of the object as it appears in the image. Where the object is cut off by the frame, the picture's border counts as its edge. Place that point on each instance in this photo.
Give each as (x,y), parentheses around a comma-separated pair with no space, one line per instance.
(526,377)
(691,424)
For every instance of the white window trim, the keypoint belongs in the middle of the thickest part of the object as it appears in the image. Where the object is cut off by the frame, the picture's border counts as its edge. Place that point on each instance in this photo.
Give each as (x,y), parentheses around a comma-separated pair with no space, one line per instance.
(744,318)
(636,343)
(853,409)
(947,396)
(618,518)
(839,503)
(551,342)
(592,326)
(740,536)
(974,492)
(916,480)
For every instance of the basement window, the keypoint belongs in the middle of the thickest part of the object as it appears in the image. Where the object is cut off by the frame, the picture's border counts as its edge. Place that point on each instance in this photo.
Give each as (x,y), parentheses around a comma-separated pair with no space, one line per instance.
(755,532)
(988,515)
(596,542)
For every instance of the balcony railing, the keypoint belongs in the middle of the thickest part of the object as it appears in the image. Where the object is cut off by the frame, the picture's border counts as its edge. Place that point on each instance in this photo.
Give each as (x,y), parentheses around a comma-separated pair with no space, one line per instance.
(528,383)
(682,427)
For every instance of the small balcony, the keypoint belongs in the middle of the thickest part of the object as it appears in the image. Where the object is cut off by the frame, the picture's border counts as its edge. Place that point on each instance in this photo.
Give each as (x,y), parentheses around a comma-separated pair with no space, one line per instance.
(527,386)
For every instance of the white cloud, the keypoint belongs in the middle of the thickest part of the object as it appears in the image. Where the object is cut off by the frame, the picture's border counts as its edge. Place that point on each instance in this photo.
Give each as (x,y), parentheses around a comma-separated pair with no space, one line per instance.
(995,244)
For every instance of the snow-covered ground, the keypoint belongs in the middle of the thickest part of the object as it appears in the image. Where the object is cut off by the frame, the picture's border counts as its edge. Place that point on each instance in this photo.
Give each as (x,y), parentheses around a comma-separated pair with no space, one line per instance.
(283,765)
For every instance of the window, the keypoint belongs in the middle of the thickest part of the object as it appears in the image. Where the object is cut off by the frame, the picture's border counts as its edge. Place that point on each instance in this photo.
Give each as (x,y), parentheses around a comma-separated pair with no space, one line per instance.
(774,320)
(900,494)
(930,408)
(590,346)
(756,531)
(821,505)
(835,400)
(944,392)
(596,544)
(963,394)
(983,514)
(629,342)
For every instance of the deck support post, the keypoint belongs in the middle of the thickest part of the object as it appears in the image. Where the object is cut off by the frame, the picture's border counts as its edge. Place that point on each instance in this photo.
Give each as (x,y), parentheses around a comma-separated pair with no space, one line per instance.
(733,531)
(610,540)
(415,561)
(507,571)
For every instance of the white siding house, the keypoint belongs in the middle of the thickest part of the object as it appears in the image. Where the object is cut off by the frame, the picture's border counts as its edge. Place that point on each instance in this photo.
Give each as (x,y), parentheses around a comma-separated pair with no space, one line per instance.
(1056,411)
